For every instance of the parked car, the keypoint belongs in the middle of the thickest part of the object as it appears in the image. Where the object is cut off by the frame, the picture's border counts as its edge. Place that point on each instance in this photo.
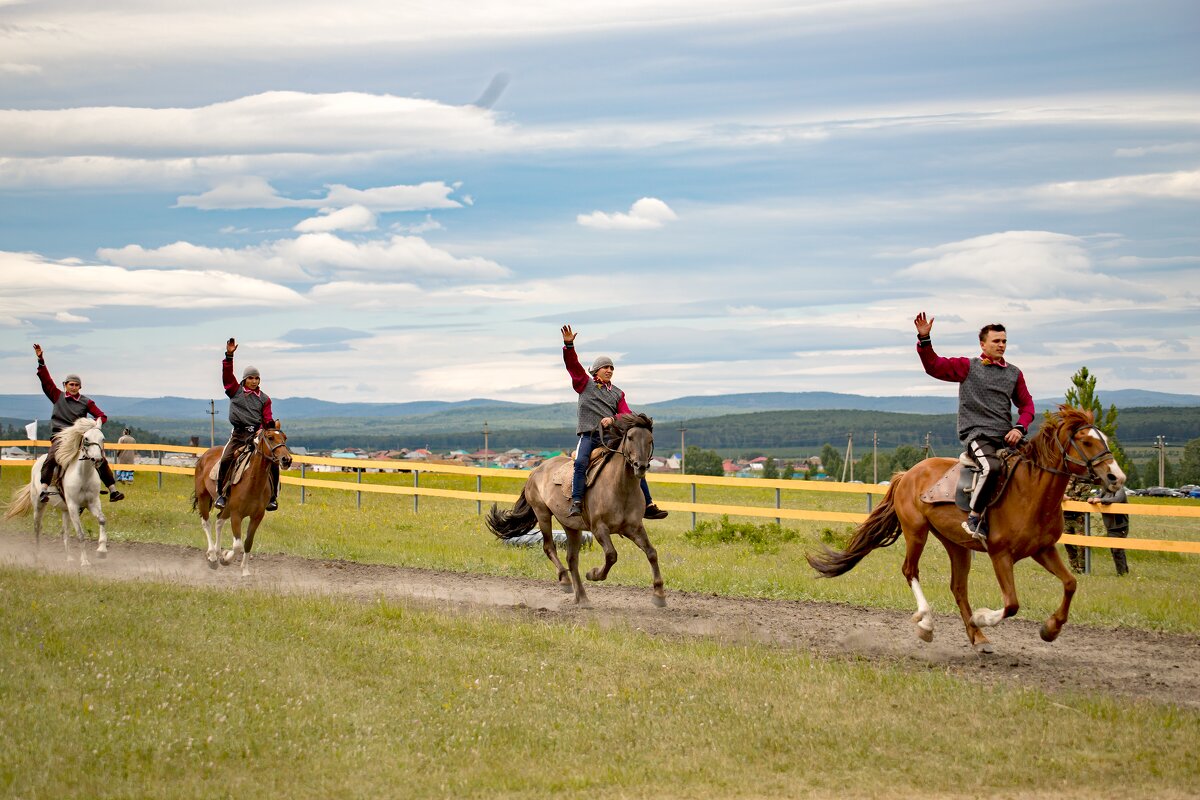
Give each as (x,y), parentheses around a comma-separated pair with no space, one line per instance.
(1162,491)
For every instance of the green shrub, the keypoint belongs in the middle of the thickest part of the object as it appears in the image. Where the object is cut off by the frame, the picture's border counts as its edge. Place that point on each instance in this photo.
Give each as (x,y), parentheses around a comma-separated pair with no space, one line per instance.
(764,538)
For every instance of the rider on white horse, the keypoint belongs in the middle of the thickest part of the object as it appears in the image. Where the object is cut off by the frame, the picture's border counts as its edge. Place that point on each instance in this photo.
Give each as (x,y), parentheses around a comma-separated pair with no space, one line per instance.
(249,411)
(69,405)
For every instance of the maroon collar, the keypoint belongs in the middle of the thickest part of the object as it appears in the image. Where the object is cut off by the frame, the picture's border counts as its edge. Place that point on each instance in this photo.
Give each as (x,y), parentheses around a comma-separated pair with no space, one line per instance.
(247,390)
(998,363)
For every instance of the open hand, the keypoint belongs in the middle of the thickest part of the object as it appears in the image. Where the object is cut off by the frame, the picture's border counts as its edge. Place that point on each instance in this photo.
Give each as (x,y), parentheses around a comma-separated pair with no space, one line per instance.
(924,325)
(568,335)
(37,350)
(230,347)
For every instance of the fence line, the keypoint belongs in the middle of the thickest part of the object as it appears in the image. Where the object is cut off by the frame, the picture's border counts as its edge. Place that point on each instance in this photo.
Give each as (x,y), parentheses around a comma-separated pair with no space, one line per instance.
(766,512)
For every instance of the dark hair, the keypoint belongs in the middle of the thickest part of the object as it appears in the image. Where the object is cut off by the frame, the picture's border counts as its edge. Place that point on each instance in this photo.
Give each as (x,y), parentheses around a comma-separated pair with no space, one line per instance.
(995,326)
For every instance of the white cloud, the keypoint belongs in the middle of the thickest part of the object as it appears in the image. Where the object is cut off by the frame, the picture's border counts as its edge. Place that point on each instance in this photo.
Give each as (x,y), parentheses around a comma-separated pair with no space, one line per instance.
(256,192)
(38,288)
(645,214)
(316,256)
(351,218)
(9,68)
(1173,148)
(1182,185)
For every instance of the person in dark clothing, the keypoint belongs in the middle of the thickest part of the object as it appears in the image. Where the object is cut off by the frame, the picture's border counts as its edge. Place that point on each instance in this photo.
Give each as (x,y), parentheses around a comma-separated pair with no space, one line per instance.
(1080,491)
(1116,525)
(599,404)
(988,388)
(69,406)
(249,411)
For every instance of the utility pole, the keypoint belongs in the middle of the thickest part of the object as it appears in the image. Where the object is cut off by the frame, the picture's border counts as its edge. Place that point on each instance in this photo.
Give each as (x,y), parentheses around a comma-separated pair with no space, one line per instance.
(928,446)
(486,453)
(874,456)
(212,423)
(1160,445)
(682,451)
(848,464)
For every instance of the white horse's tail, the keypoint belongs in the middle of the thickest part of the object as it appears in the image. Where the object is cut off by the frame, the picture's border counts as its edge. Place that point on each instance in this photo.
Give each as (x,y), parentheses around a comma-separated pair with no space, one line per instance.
(21,503)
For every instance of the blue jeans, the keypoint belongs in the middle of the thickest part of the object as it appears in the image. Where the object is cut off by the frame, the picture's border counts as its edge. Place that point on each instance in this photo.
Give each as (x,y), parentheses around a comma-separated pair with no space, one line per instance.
(583,454)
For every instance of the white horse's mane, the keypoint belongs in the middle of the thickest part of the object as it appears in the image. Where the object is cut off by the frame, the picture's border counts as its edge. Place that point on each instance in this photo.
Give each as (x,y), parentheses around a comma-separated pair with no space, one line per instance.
(71,440)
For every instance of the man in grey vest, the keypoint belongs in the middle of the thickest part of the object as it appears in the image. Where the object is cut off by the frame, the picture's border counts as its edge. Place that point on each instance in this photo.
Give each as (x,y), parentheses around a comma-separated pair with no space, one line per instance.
(599,404)
(988,388)
(1116,525)
(249,410)
(69,405)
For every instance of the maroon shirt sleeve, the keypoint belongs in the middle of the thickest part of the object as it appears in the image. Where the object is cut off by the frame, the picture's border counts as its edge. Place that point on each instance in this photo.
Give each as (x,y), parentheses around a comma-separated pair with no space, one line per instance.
(953,370)
(1023,400)
(622,406)
(267,418)
(227,380)
(48,387)
(95,411)
(579,376)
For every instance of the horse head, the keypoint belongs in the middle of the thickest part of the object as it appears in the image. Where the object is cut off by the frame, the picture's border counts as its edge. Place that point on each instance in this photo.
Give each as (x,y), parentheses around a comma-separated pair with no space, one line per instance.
(272,444)
(637,441)
(83,440)
(93,445)
(1083,448)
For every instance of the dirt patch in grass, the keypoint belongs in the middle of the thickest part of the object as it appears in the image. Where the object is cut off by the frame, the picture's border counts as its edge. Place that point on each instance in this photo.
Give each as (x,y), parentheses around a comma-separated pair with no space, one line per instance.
(1123,662)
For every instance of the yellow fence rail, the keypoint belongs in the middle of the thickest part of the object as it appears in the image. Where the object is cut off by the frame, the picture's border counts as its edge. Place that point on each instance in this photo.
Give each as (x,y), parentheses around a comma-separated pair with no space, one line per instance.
(694,508)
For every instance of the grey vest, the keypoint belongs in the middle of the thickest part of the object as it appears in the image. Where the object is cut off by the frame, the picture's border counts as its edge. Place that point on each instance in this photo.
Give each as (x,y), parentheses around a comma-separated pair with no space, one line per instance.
(595,404)
(246,409)
(985,401)
(66,410)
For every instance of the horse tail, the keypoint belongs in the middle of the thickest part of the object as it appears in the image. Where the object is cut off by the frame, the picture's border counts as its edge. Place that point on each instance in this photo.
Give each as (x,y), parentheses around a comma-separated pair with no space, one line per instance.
(21,503)
(512,523)
(880,529)
(195,501)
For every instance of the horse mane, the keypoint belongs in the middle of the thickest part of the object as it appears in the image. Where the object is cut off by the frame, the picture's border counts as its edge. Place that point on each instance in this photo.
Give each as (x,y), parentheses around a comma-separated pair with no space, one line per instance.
(1047,444)
(627,422)
(70,440)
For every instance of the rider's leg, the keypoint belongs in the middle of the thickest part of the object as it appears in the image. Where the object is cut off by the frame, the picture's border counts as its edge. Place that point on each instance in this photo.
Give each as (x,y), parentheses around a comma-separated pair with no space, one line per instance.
(983,450)
(652,511)
(109,480)
(583,455)
(226,459)
(48,468)
(273,505)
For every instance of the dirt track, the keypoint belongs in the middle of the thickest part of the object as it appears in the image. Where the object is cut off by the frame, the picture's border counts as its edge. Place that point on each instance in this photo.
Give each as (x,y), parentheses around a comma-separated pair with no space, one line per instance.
(1130,663)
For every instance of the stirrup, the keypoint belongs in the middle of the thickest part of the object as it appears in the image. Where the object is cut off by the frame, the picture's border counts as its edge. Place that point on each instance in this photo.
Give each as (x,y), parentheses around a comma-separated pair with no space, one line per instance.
(221,501)
(273,505)
(576,509)
(979,530)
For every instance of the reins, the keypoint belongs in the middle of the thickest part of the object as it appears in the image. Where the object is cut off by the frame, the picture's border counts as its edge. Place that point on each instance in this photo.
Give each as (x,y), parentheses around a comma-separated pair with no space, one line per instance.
(1083,461)
(620,448)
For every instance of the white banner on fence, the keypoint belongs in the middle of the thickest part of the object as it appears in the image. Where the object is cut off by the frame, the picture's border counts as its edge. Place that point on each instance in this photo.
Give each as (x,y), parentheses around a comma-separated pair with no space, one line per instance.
(31,431)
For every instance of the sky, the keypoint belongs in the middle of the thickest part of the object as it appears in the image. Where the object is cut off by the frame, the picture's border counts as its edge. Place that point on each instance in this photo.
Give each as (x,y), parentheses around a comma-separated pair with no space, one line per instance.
(392,201)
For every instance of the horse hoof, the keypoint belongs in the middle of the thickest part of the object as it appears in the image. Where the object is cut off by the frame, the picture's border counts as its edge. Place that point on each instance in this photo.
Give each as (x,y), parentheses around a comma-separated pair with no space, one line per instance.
(661,602)
(984,648)
(924,635)
(226,557)
(1047,634)
(212,563)
(567,588)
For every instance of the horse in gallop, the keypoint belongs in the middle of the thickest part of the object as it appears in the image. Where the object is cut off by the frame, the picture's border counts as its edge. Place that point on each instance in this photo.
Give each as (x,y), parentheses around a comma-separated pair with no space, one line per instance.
(1025,521)
(80,450)
(613,504)
(247,498)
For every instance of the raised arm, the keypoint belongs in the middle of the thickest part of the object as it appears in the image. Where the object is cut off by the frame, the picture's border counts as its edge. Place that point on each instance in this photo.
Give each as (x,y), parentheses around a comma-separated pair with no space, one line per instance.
(48,388)
(953,370)
(579,376)
(227,379)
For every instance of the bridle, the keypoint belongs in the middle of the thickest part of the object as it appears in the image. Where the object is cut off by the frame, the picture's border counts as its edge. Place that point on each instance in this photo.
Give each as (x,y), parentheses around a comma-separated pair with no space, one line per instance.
(620,448)
(1072,446)
(268,452)
(83,452)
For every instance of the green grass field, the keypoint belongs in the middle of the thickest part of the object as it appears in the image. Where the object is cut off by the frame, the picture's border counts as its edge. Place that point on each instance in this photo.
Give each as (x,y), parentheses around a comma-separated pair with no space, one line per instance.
(150,690)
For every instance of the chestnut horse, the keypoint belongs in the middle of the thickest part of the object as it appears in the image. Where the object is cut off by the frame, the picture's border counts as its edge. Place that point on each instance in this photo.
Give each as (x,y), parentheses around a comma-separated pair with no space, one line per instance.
(247,498)
(613,504)
(1024,521)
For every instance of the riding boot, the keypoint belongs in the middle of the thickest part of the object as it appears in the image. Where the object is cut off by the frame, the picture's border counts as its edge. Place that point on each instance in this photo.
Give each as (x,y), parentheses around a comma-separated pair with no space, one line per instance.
(109,480)
(222,489)
(47,478)
(576,509)
(273,505)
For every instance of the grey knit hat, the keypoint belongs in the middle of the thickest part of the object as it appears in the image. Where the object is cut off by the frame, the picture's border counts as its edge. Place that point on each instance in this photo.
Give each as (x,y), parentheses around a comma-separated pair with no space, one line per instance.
(601,361)
(250,372)
(73,377)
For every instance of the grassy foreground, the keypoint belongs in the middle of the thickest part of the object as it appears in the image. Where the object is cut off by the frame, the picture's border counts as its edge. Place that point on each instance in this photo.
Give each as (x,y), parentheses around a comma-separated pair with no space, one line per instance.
(448,534)
(135,690)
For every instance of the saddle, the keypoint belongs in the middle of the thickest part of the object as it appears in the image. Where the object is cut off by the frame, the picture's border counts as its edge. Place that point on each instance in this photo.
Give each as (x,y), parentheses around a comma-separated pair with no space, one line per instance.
(957,483)
(564,474)
(237,469)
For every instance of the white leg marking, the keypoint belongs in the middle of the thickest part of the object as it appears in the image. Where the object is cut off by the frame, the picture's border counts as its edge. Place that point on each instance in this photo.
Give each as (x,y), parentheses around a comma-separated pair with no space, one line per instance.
(986,618)
(924,615)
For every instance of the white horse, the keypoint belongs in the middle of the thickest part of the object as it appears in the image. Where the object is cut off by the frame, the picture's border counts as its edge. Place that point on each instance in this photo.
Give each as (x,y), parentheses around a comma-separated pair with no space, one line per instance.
(80,449)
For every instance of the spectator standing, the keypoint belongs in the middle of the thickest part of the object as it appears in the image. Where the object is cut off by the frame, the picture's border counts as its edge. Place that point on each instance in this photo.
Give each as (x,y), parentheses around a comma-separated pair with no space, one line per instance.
(1116,525)
(1073,521)
(125,457)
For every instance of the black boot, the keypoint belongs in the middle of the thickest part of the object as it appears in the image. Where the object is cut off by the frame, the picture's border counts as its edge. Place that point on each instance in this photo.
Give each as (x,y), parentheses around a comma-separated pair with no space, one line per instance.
(114,495)
(273,505)
(220,502)
(654,512)
(576,509)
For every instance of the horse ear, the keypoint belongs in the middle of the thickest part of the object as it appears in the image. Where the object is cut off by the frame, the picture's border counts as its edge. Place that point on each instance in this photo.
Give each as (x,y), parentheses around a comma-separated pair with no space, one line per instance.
(278,424)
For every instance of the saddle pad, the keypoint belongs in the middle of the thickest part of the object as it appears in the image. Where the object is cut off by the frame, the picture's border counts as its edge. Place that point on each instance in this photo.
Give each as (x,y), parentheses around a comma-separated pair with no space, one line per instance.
(564,474)
(237,469)
(943,490)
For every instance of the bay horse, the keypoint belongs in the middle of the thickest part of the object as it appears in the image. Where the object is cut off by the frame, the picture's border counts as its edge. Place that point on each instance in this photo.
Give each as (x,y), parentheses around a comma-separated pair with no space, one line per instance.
(80,450)
(613,504)
(1025,521)
(247,498)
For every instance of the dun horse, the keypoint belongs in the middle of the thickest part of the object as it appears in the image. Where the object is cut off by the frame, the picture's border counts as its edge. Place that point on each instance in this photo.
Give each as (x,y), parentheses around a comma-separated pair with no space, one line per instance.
(80,449)
(247,498)
(1025,521)
(613,504)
